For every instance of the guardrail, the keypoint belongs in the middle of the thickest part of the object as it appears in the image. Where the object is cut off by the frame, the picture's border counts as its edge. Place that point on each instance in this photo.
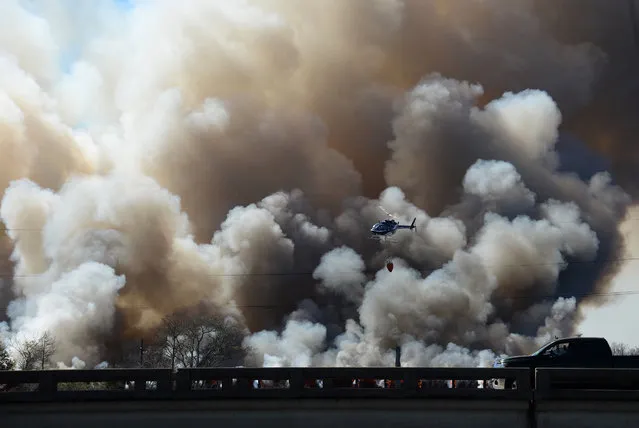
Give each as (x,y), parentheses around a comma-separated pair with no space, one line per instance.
(555,384)
(131,384)
(285,383)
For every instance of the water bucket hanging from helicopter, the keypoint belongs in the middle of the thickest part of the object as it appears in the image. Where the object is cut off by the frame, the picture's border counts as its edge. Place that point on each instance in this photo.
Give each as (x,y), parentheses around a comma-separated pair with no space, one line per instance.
(389,266)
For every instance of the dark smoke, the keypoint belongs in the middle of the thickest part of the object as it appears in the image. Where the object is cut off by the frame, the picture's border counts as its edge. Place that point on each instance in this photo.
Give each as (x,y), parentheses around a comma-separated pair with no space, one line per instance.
(236,153)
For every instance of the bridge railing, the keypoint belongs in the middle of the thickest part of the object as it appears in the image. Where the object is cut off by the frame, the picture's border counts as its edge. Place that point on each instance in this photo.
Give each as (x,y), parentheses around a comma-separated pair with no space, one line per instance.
(349,382)
(85,384)
(73,385)
(553,384)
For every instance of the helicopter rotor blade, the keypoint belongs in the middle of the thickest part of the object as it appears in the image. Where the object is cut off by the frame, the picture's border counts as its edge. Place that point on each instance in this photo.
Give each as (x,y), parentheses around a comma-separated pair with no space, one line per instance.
(387,213)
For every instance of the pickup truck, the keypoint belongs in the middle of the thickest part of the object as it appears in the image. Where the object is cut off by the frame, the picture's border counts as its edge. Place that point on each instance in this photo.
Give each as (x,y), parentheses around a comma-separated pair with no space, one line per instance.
(574,352)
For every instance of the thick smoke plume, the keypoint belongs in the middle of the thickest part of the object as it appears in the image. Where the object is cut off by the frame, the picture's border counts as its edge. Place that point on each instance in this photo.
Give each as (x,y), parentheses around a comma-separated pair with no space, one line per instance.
(165,156)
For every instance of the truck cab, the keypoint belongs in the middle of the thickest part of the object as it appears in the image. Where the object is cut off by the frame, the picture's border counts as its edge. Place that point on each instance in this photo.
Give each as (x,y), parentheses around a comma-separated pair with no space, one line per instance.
(569,352)
(582,352)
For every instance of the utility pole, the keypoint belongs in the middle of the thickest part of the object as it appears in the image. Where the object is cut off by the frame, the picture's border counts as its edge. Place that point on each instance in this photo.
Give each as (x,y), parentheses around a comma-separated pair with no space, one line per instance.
(141,353)
(633,21)
(44,350)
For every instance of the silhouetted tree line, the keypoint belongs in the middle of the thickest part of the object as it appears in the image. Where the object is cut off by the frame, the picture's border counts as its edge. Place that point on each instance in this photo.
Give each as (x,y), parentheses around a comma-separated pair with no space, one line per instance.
(195,340)
(623,349)
(183,340)
(31,354)
(6,363)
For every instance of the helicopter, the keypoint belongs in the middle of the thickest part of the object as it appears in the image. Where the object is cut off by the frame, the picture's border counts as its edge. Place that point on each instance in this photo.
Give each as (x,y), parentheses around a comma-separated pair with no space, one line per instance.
(386,228)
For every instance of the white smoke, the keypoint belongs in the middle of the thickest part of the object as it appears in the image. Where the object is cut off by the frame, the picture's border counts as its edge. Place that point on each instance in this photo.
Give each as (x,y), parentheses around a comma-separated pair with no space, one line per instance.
(201,153)
(296,345)
(342,270)
(498,182)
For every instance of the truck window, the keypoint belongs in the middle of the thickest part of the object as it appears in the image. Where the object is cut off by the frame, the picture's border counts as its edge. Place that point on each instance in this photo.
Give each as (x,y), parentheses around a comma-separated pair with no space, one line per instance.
(557,350)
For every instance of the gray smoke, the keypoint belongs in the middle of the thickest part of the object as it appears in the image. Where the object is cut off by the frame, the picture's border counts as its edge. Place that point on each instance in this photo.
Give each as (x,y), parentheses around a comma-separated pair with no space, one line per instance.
(236,154)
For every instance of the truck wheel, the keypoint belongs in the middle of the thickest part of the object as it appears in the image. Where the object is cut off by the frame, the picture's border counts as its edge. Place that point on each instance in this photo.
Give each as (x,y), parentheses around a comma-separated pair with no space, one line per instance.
(510,384)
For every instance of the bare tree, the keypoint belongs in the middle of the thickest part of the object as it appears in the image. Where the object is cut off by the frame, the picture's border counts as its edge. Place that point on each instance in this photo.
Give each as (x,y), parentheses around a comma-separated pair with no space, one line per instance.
(623,349)
(36,353)
(6,362)
(195,347)
(187,340)
(168,342)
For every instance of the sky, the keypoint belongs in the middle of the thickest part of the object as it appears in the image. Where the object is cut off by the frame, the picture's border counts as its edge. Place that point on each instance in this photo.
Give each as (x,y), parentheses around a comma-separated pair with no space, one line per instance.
(617,320)
(124,4)
(72,49)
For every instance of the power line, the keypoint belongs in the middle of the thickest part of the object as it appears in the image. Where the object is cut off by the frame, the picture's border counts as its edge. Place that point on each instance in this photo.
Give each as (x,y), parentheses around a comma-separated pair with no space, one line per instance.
(374,271)
(538,297)
(371,271)
(521,297)
(40,229)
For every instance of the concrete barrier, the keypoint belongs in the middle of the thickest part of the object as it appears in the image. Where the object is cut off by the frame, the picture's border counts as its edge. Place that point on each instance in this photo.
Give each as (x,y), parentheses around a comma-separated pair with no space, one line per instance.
(246,397)
(311,397)
(586,398)
(259,412)
(284,383)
